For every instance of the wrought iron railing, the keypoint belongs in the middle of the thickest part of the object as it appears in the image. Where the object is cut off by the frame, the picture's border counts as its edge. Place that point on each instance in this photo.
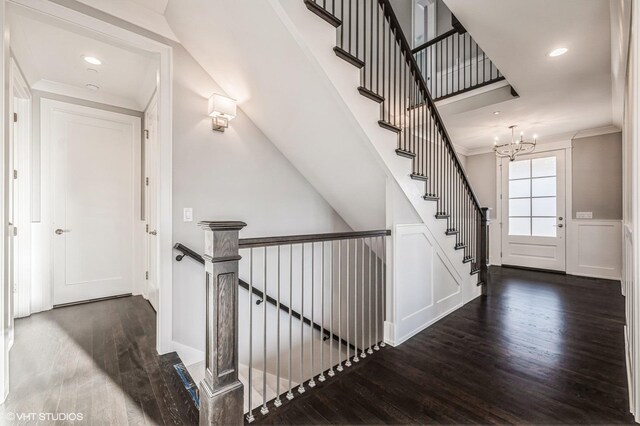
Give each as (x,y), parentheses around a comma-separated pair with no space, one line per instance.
(314,305)
(369,36)
(453,63)
(338,282)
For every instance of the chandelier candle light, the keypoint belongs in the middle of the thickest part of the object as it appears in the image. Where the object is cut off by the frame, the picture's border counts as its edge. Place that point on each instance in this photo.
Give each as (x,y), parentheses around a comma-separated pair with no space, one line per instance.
(515,147)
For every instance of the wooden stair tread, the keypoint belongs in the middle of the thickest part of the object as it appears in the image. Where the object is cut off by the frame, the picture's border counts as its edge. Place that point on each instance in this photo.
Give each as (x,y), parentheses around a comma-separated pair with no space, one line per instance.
(322,13)
(370,94)
(403,153)
(389,126)
(343,54)
(416,176)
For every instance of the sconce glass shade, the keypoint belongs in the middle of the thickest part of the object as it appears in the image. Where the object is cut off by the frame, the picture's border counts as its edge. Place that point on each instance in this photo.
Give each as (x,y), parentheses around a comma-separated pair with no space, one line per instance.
(221,106)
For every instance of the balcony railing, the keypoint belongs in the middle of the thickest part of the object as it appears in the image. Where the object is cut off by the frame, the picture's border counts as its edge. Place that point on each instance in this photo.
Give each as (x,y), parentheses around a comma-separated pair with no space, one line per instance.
(314,305)
(453,63)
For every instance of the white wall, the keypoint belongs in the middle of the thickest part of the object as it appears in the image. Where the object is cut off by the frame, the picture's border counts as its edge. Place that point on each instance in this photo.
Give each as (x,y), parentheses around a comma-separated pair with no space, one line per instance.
(235,175)
(631,260)
(481,172)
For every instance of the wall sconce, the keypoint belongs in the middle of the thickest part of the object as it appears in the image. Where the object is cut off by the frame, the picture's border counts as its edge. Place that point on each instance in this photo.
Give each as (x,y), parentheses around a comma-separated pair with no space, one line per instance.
(221,110)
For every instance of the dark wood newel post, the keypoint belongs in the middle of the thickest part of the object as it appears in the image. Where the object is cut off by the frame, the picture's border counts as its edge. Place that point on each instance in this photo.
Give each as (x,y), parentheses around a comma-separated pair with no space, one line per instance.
(484,249)
(221,392)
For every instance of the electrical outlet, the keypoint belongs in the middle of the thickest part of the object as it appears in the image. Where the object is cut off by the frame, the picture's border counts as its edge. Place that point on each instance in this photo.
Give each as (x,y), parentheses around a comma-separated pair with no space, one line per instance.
(584,215)
(188,214)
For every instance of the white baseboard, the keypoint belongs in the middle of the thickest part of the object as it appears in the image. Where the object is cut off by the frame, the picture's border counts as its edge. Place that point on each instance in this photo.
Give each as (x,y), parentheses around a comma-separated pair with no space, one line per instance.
(188,354)
(417,330)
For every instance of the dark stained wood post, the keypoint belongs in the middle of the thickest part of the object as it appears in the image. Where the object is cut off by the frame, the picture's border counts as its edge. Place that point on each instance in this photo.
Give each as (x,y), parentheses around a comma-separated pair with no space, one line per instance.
(484,249)
(221,392)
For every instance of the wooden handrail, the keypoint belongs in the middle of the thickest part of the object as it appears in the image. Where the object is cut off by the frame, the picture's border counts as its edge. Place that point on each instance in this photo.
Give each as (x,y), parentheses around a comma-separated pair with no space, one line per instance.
(309,238)
(186,251)
(435,40)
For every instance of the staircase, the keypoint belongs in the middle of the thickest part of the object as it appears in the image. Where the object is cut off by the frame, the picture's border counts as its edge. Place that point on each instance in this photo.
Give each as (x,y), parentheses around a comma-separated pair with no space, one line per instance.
(336,283)
(369,37)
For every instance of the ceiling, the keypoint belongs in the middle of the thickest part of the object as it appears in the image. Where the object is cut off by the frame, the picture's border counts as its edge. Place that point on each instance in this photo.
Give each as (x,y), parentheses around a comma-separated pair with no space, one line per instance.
(558,96)
(158,6)
(50,54)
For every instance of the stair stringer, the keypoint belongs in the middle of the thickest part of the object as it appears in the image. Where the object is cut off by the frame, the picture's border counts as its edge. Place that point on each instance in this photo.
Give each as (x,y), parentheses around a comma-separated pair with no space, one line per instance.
(317,39)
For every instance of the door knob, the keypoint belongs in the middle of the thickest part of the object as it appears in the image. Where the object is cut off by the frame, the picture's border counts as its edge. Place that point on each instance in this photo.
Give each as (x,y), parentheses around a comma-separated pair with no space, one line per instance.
(62,231)
(560,225)
(154,232)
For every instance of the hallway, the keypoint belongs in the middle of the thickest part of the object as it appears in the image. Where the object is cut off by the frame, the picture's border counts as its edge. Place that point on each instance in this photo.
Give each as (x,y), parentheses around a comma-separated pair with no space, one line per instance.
(542,348)
(96,360)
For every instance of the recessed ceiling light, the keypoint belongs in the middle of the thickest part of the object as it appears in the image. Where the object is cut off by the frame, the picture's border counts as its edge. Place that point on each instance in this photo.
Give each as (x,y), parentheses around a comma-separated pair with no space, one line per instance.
(558,52)
(496,112)
(92,60)
(92,87)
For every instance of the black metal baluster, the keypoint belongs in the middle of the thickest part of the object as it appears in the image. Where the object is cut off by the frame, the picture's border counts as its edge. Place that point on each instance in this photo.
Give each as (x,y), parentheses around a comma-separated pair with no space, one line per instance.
(458,59)
(477,65)
(357,29)
(446,68)
(371,47)
(384,36)
(390,78)
(350,25)
(464,55)
(484,61)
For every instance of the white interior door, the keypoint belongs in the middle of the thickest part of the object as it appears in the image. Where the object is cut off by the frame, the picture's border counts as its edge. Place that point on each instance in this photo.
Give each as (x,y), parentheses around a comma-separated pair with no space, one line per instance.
(93,203)
(151,167)
(533,211)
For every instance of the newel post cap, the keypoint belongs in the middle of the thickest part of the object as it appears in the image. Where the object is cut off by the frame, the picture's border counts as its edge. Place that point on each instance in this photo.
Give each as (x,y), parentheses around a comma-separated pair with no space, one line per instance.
(222,225)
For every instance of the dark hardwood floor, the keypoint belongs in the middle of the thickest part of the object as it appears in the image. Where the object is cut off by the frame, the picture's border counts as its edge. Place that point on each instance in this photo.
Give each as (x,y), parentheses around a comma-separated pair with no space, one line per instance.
(96,359)
(542,348)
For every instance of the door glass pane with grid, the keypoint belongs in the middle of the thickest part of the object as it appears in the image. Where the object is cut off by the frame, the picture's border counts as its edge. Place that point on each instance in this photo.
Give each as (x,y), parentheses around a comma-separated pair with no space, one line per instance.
(532,211)
(532,197)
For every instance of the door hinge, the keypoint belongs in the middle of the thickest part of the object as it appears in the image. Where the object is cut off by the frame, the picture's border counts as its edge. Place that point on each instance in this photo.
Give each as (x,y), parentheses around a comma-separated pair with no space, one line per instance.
(146,275)
(15,174)
(146,134)
(146,181)
(15,231)
(15,117)
(147,227)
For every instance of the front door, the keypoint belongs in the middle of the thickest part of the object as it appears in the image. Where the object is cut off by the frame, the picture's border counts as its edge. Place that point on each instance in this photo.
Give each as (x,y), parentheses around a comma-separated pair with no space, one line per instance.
(93,210)
(533,211)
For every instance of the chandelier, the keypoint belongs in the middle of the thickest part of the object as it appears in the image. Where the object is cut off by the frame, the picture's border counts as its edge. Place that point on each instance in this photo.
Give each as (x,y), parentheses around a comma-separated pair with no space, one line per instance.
(515,147)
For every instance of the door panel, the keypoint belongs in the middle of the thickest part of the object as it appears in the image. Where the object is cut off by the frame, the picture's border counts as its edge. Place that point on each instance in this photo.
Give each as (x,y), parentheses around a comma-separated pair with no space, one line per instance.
(151,159)
(93,211)
(533,209)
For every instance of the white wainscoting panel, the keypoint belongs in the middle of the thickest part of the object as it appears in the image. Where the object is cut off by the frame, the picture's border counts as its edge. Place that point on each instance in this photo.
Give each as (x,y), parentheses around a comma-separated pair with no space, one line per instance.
(426,287)
(595,248)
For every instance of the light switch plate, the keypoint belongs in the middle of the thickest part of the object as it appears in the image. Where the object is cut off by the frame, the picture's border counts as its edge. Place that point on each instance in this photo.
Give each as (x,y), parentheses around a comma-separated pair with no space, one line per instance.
(188,214)
(584,215)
